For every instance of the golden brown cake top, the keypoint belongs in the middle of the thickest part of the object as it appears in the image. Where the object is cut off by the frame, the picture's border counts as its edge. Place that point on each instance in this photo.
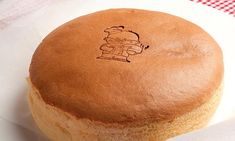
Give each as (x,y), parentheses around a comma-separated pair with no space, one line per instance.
(127,65)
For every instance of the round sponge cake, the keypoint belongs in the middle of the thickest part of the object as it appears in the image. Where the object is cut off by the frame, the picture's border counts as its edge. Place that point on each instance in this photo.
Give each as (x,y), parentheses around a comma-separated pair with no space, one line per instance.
(124,74)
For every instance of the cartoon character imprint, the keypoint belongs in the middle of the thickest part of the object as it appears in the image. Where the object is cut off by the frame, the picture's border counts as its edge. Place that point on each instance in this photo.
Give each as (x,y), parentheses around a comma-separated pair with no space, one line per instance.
(120,43)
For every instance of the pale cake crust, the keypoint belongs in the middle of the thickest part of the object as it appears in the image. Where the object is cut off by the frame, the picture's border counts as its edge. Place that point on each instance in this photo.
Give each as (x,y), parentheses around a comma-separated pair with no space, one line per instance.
(173,68)
(62,126)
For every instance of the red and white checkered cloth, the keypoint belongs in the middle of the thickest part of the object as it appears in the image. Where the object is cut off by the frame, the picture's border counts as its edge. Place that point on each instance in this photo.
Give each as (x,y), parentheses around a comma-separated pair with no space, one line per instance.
(228,6)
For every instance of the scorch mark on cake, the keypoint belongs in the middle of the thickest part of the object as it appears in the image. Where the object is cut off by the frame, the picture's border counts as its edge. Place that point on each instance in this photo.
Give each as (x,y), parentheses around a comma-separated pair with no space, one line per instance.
(120,43)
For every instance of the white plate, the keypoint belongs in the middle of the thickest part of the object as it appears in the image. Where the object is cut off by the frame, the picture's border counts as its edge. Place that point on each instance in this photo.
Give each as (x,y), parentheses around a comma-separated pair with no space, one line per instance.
(19,40)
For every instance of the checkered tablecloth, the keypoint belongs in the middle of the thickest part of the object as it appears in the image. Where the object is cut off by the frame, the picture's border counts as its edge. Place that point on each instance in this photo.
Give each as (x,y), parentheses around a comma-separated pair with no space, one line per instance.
(227,6)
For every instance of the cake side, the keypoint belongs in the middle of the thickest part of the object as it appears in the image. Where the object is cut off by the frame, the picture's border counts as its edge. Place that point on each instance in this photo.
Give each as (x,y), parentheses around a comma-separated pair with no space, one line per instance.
(59,125)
